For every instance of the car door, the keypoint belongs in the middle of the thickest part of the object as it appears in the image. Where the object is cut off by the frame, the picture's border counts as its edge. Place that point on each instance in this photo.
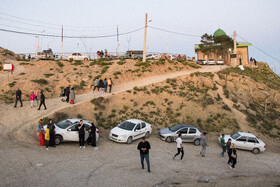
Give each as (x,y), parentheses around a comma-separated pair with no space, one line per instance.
(72,133)
(137,133)
(143,129)
(240,142)
(191,135)
(87,133)
(184,133)
(252,143)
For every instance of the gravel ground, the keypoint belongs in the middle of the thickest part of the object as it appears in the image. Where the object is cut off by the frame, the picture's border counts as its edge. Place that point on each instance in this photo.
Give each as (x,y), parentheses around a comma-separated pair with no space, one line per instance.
(115,164)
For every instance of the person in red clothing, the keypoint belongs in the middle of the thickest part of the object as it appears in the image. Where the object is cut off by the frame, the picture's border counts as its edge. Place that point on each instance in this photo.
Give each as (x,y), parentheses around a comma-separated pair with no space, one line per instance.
(32,98)
(40,133)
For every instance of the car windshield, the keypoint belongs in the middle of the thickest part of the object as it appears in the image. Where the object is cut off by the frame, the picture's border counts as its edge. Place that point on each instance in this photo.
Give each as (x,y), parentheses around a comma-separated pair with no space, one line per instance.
(175,128)
(126,125)
(234,136)
(63,124)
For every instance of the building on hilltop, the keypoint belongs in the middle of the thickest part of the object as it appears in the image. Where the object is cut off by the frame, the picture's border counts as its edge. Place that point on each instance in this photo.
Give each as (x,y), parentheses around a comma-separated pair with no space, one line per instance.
(242,53)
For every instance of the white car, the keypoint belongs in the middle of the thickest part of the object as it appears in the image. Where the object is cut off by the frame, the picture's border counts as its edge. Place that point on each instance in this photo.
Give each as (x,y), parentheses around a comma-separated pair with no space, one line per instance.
(67,130)
(211,62)
(77,56)
(130,130)
(220,62)
(247,141)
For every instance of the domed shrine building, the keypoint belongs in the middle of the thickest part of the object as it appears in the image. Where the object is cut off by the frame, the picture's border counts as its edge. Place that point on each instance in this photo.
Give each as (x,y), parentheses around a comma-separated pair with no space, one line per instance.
(242,53)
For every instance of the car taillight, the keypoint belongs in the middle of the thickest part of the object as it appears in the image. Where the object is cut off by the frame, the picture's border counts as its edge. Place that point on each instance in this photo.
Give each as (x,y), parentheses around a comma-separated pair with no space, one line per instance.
(263,146)
(97,132)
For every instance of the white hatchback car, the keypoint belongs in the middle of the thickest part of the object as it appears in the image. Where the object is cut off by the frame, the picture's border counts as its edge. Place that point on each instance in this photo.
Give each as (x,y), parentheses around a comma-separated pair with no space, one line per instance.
(247,141)
(130,130)
(67,130)
(211,62)
(77,56)
(220,62)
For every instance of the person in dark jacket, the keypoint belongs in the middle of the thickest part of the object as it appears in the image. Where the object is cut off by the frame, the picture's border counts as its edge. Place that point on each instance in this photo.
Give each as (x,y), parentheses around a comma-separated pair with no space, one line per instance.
(105,85)
(67,93)
(229,151)
(82,132)
(18,97)
(101,84)
(233,156)
(144,147)
(42,101)
(92,131)
(51,126)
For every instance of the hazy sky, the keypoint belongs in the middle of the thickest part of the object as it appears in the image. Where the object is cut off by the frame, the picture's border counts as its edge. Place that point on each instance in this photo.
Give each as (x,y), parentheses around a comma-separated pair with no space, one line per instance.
(257,21)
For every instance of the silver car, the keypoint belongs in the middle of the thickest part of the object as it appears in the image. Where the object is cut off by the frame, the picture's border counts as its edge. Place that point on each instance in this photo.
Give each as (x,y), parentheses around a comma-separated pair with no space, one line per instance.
(189,133)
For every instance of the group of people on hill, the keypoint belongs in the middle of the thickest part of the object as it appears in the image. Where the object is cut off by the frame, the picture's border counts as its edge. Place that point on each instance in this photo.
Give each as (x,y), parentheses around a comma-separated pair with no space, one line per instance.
(37,95)
(69,95)
(100,54)
(47,135)
(252,60)
(99,83)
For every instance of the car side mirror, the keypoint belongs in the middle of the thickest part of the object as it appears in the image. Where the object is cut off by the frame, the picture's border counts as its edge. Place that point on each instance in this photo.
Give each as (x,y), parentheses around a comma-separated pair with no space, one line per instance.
(68,129)
(136,130)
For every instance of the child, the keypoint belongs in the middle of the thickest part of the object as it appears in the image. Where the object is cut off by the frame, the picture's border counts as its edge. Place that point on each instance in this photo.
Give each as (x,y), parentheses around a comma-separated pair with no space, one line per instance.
(32,98)
(47,137)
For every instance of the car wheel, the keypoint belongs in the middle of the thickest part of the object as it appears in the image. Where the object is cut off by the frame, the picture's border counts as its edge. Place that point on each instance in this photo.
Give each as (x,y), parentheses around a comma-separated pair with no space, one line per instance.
(256,150)
(58,140)
(196,142)
(86,59)
(129,140)
(147,134)
(169,139)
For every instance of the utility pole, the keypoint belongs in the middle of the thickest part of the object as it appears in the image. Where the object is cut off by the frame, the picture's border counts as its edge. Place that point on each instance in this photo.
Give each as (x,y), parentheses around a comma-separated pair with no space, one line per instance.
(235,49)
(167,43)
(62,42)
(145,38)
(118,41)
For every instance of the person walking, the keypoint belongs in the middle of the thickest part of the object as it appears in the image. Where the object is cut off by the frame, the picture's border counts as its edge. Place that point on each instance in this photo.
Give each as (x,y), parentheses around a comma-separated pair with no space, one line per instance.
(32,98)
(110,83)
(40,132)
(222,140)
(42,101)
(72,96)
(92,131)
(47,137)
(101,84)
(255,62)
(37,96)
(52,133)
(96,84)
(179,148)
(29,57)
(18,97)
(203,142)
(67,93)
(229,151)
(233,156)
(144,147)
(105,85)
(82,132)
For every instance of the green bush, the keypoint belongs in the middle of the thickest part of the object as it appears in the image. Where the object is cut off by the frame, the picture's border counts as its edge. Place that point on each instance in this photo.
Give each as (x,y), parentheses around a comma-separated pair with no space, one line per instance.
(40,81)
(77,63)
(47,75)
(59,116)
(12,84)
(60,64)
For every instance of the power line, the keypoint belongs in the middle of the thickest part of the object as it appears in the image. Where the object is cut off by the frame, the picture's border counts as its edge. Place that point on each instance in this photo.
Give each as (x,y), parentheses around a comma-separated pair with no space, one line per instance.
(173,32)
(56,36)
(259,49)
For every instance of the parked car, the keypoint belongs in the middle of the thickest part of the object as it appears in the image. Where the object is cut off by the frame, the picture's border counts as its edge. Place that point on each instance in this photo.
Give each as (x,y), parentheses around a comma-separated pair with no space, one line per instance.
(45,55)
(67,130)
(211,62)
(130,130)
(189,133)
(77,56)
(200,62)
(247,141)
(220,62)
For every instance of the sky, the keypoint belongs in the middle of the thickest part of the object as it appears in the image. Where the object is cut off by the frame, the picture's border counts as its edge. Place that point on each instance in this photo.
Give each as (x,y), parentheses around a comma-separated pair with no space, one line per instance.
(256,21)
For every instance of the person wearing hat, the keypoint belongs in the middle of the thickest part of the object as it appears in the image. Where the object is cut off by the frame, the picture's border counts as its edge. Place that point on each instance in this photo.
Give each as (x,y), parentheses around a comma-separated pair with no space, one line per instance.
(203,142)
(144,147)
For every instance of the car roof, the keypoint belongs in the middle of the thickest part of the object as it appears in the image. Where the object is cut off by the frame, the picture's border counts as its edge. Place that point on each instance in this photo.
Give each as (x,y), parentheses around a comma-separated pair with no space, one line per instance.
(73,120)
(135,120)
(246,134)
(185,125)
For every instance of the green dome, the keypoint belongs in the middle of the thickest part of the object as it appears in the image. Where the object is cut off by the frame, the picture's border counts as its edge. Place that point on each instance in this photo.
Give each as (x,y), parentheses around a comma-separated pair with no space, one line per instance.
(219,32)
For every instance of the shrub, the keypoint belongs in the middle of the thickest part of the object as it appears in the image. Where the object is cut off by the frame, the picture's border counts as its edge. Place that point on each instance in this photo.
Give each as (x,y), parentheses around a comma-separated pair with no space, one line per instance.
(79,116)
(104,69)
(77,63)
(60,64)
(22,73)
(74,69)
(122,62)
(47,75)
(225,107)
(40,81)
(59,116)
(12,84)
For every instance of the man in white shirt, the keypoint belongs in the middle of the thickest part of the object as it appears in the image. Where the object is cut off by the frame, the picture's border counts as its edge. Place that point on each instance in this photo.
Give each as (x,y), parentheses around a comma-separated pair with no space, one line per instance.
(179,147)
